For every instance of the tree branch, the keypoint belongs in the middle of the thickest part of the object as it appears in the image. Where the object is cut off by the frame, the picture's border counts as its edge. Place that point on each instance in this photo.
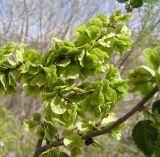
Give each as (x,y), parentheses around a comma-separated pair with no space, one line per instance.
(38,146)
(106,130)
(126,116)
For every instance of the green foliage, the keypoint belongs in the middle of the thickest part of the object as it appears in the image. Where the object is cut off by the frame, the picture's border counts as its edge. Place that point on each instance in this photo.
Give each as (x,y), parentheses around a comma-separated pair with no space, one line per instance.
(13,138)
(73,142)
(54,76)
(141,79)
(122,1)
(144,77)
(36,117)
(30,125)
(146,133)
(152,57)
(71,102)
(54,153)
(136,3)
(156,107)
(145,136)
(156,148)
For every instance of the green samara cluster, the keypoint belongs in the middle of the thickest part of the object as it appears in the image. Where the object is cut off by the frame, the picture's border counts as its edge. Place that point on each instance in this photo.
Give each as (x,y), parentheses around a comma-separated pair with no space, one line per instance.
(60,76)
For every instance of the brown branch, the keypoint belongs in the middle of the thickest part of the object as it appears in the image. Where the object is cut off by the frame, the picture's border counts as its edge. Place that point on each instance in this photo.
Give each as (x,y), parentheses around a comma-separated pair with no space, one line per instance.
(38,146)
(106,130)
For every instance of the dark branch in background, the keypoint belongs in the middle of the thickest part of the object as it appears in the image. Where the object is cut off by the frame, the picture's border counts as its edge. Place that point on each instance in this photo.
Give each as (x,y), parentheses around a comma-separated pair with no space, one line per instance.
(135,109)
(123,59)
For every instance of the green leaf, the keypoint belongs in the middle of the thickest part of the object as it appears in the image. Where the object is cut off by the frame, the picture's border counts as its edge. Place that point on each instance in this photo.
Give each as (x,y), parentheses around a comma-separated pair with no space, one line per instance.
(68,117)
(122,29)
(7,50)
(40,132)
(104,43)
(123,18)
(145,71)
(29,68)
(70,72)
(53,152)
(145,135)
(51,75)
(31,90)
(20,52)
(64,62)
(74,143)
(117,13)
(103,18)
(30,125)
(96,21)
(58,105)
(32,55)
(68,43)
(95,61)
(157,146)
(50,130)
(116,133)
(75,152)
(48,96)
(36,117)
(121,44)
(93,32)
(141,79)
(108,120)
(79,30)
(63,154)
(81,58)
(56,42)
(156,107)
(39,80)
(122,1)
(157,77)
(81,127)
(152,57)
(119,85)
(3,81)
(121,88)
(7,84)
(87,126)
(112,73)
(11,81)
(136,3)
(9,63)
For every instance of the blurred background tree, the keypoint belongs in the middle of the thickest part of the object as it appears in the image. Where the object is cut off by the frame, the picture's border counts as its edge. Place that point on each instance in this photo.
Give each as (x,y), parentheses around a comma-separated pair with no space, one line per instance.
(14,141)
(35,22)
